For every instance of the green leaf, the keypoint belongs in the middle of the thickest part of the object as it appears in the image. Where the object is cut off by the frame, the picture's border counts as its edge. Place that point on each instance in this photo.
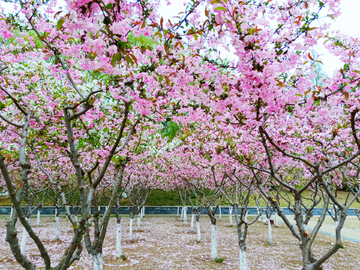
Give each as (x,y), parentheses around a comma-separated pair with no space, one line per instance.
(158,34)
(109,6)
(2,106)
(60,23)
(195,36)
(129,60)
(220,8)
(167,80)
(215,2)
(116,57)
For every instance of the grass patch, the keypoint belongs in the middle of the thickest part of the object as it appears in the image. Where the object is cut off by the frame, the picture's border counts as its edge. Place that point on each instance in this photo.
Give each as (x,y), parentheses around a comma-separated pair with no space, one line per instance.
(219,260)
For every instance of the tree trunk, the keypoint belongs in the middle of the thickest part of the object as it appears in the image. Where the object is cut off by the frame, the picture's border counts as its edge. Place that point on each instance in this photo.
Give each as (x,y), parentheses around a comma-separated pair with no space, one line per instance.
(213,242)
(38,218)
(198,238)
(185,215)
(97,261)
(139,222)
(242,257)
(24,239)
(57,228)
(220,212)
(131,236)
(270,232)
(118,237)
(192,222)
(230,216)
(276,219)
(178,211)
(11,211)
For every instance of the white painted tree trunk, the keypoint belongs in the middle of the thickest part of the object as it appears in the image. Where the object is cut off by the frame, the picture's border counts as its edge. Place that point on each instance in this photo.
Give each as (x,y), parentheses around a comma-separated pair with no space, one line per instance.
(185,215)
(276,219)
(38,218)
(131,236)
(265,220)
(11,212)
(118,240)
(213,242)
(139,222)
(182,213)
(230,216)
(24,239)
(178,211)
(270,232)
(243,261)
(220,212)
(258,212)
(246,215)
(97,262)
(192,222)
(57,233)
(142,212)
(336,224)
(198,238)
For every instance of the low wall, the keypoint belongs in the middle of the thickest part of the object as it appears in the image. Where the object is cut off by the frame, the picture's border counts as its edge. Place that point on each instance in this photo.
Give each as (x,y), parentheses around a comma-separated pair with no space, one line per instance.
(155,210)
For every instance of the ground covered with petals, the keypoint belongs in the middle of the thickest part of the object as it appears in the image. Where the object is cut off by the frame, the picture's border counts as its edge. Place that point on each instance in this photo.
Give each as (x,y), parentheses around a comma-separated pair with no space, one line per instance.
(166,243)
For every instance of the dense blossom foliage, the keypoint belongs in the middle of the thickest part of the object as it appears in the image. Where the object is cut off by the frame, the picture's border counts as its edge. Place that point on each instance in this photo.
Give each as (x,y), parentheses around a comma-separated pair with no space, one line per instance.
(107,95)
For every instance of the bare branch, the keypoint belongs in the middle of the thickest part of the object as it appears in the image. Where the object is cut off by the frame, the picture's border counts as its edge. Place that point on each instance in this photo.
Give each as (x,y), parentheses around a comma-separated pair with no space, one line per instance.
(11,123)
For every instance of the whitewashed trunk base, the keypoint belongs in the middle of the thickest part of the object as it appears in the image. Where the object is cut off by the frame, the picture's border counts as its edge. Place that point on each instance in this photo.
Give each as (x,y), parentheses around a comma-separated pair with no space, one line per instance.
(38,218)
(57,219)
(97,262)
(139,222)
(192,222)
(270,232)
(213,242)
(24,240)
(198,238)
(185,215)
(118,240)
(276,220)
(243,261)
(131,236)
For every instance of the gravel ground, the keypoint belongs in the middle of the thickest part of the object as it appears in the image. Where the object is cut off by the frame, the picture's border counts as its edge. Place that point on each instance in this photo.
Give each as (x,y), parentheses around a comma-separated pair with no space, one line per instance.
(165,243)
